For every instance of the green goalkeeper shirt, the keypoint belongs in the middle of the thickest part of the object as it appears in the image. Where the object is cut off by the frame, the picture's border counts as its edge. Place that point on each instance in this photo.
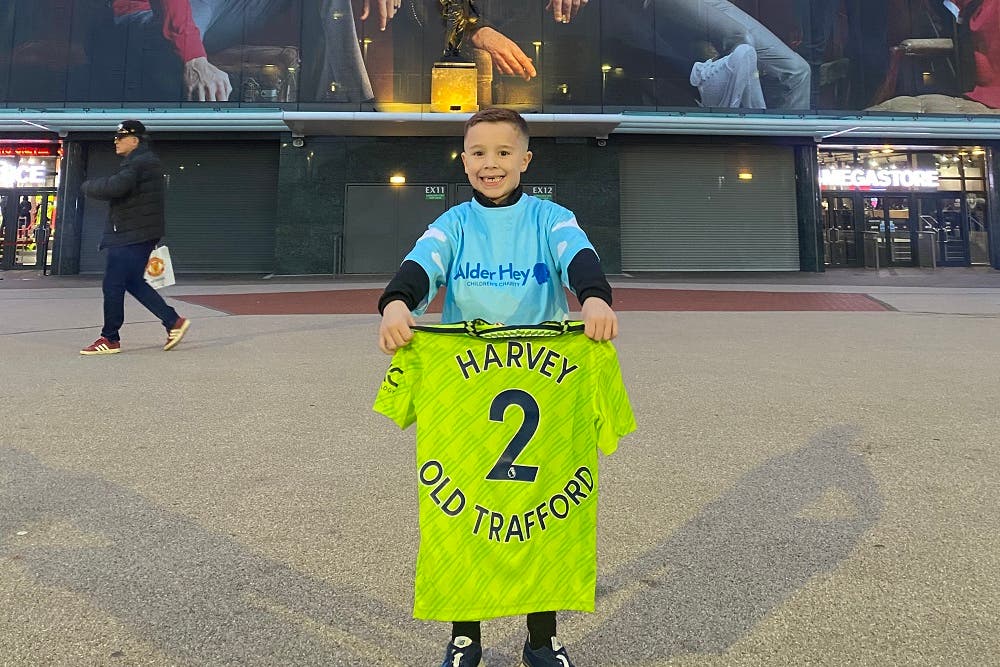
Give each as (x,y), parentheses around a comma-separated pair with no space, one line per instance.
(507,436)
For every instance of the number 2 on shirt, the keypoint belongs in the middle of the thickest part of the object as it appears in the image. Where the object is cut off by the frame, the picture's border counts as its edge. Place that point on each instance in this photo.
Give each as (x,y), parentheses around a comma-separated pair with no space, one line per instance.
(505,468)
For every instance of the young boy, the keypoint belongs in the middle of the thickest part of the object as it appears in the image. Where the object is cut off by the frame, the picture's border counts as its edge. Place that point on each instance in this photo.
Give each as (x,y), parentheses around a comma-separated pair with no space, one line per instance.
(501,227)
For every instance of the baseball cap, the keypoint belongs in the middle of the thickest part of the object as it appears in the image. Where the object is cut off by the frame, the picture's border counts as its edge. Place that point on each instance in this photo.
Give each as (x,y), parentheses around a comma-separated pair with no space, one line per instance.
(130,128)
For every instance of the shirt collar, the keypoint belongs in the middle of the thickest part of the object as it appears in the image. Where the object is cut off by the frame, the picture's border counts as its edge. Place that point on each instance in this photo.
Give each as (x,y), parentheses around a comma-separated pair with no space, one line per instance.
(512,199)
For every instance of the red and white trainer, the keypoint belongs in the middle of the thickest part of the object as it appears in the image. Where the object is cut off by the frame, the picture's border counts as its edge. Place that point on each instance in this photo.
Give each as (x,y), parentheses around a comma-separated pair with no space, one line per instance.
(174,335)
(102,346)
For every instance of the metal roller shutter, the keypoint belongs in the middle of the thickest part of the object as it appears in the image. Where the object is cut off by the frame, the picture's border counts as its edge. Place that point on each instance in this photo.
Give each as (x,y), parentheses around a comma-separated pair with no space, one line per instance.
(684,208)
(221,206)
(382,222)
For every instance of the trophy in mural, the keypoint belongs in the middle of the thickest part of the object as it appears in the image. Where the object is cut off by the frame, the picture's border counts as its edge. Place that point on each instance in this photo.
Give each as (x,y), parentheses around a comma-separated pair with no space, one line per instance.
(453,78)
(459,16)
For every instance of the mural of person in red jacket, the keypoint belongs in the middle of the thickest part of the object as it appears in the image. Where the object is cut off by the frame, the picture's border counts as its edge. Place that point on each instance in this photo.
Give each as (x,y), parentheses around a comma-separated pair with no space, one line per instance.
(982,19)
(195,29)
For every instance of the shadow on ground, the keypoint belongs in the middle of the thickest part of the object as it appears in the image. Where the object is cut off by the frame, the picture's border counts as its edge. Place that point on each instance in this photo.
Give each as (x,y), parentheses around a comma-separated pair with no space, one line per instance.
(203,598)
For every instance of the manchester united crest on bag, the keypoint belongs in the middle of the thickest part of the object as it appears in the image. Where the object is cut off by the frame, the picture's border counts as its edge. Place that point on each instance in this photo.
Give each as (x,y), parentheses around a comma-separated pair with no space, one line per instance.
(159,269)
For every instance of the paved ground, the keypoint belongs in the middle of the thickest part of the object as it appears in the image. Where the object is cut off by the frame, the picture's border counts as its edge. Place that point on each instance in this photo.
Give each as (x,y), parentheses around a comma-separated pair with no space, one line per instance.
(360,301)
(804,488)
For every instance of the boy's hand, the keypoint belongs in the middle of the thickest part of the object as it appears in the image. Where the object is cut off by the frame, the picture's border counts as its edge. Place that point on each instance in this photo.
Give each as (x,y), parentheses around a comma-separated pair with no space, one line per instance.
(394,331)
(599,321)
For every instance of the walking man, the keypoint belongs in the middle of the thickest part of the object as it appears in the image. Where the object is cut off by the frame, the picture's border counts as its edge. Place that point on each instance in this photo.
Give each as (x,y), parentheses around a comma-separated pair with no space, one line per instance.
(135,223)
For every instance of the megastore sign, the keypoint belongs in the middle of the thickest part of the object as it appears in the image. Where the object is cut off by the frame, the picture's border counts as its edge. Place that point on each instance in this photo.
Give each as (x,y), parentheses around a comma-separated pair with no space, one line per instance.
(878,179)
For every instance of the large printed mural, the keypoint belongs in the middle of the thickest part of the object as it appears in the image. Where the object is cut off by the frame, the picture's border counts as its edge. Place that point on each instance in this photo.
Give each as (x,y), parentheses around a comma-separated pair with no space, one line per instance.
(532,55)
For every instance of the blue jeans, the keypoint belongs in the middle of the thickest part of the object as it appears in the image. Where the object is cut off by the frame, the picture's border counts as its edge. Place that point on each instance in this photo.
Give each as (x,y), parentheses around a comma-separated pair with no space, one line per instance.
(124,273)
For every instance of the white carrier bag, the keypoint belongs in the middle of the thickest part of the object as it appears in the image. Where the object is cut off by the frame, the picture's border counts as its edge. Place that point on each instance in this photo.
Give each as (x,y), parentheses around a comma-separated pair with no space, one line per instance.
(159,268)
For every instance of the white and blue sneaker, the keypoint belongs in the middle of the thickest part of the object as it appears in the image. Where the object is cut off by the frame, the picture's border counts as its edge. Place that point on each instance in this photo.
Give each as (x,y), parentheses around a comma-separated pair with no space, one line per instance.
(463,652)
(547,656)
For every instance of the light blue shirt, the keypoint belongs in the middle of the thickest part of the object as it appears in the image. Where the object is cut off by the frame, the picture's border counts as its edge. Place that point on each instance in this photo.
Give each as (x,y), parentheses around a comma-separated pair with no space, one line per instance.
(505,265)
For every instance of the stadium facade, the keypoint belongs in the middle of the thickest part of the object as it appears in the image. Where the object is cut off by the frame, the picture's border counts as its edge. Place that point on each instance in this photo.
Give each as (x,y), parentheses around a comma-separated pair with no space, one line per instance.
(687,135)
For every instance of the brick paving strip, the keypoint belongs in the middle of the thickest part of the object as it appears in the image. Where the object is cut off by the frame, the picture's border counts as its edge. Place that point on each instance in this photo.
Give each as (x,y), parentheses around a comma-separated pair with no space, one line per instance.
(361,301)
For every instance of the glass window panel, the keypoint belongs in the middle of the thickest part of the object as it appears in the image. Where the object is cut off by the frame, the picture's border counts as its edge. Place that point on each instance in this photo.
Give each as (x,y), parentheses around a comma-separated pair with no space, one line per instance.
(262,53)
(417,41)
(628,45)
(103,45)
(42,52)
(572,60)
(530,27)
(332,42)
(6,46)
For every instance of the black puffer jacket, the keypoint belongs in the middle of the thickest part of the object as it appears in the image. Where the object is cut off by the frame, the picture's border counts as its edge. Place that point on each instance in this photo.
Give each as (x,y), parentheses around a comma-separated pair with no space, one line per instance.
(135,195)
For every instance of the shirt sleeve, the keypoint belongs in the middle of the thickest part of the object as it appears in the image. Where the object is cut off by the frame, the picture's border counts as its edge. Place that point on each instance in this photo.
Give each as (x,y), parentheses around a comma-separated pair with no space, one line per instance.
(586,278)
(409,285)
(112,187)
(179,28)
(614,418)
(434,252)
(565,240)
(395,396)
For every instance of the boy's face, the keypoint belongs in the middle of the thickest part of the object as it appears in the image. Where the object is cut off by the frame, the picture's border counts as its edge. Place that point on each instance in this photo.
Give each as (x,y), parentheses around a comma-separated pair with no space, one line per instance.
(495,156)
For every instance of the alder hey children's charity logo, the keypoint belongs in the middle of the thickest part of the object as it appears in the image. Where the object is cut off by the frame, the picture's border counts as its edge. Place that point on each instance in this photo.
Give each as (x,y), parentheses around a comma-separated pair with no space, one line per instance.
(505,275)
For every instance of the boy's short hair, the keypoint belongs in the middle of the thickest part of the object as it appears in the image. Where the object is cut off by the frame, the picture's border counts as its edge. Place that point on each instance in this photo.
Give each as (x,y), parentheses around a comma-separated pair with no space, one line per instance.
(498,115)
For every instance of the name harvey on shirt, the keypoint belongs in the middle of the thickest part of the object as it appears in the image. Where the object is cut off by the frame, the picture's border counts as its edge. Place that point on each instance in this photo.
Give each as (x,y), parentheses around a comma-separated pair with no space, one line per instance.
(528,355)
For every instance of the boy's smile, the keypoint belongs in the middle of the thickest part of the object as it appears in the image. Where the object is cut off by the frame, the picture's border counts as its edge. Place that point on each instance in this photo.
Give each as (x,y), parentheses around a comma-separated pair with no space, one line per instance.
(495,156)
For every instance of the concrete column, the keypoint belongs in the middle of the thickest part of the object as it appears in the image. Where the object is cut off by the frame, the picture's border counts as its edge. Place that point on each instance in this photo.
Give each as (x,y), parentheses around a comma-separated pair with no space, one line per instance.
(807,196)
(69,210)
(993,202)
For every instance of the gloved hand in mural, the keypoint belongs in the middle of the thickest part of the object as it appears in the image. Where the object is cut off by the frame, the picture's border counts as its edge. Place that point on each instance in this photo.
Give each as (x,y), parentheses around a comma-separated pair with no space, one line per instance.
(507,55)
(204,82)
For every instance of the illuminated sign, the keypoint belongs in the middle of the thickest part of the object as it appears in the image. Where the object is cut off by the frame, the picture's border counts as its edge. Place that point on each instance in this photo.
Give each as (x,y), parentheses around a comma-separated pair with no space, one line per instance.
(878,179)
(16,150)
(12,174)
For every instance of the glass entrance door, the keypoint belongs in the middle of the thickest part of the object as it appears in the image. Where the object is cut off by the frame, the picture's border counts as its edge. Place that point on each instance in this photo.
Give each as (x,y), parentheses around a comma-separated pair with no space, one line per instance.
(947,217)
(890,218)
(840,230)
(27,228)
